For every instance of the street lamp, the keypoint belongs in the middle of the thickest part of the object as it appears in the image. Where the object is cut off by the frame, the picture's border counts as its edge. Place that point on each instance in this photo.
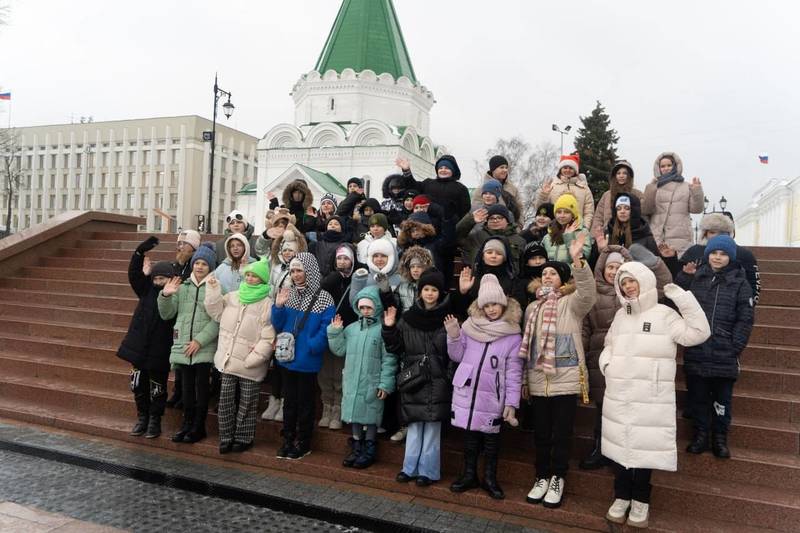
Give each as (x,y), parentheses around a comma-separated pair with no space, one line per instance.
(723,203)
(705,204)
(563,132)
(227,108)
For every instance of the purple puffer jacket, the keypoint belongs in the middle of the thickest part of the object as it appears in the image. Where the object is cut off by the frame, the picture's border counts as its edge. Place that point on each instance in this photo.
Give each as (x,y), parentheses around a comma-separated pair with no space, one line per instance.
(488,378)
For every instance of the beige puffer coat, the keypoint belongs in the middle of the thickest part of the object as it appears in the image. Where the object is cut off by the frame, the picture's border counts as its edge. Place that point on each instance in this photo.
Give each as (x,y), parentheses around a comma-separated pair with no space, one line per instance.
(577,187)
(245,334)
(579,295)
(638,361)
(605,210)
(669,207)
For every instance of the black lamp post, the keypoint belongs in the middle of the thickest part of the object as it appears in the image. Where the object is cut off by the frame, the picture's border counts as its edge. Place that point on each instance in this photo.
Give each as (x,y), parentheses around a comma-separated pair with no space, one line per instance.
(563,132)
(227,108)
(723,203)
(705,204)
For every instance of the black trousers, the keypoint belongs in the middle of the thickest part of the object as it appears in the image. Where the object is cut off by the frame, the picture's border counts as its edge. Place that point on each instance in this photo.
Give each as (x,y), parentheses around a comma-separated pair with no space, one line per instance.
(632,483)
(150,393)
(710,403)
(554,419)
(275,379)
(194,379)
(299,401)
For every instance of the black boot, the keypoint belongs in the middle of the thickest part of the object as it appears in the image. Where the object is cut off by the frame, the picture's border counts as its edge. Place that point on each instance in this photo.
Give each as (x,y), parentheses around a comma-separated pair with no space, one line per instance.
(367,456)
(287,448)
(719,445)
(469,477)
(141,425)
(700,442)
(186,426)
(175,399)
(153,427)
(595,459)
(491,450)
(198,428)
(142,399)
(355,451)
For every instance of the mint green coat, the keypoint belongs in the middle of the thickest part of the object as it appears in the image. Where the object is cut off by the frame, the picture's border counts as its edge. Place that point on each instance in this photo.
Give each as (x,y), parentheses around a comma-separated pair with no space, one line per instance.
(192,322)
(368,366)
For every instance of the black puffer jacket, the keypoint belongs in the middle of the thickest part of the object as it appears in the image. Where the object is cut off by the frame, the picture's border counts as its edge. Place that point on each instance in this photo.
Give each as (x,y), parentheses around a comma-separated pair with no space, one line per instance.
(449,193)
(727,300)
(417,333)
(744,257)
(338,286)
(149,339)
(325,250)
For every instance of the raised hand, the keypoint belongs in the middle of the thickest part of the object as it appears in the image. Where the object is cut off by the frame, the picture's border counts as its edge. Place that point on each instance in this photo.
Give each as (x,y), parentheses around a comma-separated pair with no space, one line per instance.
(212,281)
(147,245)
(665,250)
(403,163)
(672,291)
(337,322)
(172,286)
(480,215)
(390,317)
(547,186)
(465,280)
(282,297)
(271,195)
(690,268)
(452,327)
(573,227)
(147,267)
(695,183)
(602,241)
(576,248)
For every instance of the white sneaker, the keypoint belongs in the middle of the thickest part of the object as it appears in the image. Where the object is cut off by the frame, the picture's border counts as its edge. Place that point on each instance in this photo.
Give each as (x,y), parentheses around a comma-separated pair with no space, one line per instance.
(616,513)
(279,411)
(538,491)
(554,493)
(325,420)
(381,430)
(638,517)
(400,436)
(272,409)
(336,418)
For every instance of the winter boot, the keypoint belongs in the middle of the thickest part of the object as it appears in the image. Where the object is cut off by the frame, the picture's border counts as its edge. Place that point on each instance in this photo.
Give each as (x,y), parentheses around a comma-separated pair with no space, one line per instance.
(153,427)
(355,452)
(469,477)
(188,416)
(555,493)
(325,420)
(719,445)
(198,428)
(700,442)
(491,448)
(287,447)
(336,418)
(142,399)
(141,425)
(302,449)
(595,459)
(367,456)
(175,399)
(279,411)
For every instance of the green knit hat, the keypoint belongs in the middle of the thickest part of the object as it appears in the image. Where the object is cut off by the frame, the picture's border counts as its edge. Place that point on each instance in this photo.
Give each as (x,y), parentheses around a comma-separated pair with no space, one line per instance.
(259,268)
(379,219)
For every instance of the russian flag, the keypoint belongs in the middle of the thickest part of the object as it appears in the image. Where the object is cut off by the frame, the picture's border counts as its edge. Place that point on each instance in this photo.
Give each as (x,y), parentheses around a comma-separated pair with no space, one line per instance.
(5,96)
(763,159)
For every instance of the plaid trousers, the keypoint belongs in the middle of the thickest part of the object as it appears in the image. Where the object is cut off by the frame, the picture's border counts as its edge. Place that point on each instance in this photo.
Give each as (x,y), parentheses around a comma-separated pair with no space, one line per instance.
(237,425)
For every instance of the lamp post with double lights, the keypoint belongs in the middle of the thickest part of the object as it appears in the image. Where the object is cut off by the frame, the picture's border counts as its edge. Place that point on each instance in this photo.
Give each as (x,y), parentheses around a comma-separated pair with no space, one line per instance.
(563,132)
(227,108)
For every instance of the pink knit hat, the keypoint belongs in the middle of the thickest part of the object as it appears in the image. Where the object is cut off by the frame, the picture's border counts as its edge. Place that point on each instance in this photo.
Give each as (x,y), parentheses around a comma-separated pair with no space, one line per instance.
(491,292)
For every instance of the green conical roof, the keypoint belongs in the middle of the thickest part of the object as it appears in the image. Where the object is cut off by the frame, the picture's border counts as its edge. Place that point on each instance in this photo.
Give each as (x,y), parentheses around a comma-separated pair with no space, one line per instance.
(366,35)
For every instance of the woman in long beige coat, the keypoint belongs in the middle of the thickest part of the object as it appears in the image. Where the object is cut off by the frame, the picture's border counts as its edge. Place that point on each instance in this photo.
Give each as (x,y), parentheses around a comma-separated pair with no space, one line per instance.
(569,181)
(669,201)
(620,180)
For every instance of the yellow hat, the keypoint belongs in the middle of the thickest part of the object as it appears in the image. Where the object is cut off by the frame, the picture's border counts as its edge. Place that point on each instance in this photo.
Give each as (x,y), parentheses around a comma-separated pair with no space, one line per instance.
(568,201)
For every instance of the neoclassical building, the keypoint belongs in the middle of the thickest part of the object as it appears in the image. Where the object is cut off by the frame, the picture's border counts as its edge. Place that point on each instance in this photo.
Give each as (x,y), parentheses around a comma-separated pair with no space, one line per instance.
(359,109)
(773,216)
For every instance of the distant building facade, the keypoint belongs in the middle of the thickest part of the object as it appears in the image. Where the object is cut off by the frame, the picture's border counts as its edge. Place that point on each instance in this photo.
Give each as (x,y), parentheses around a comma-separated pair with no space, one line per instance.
(773,216)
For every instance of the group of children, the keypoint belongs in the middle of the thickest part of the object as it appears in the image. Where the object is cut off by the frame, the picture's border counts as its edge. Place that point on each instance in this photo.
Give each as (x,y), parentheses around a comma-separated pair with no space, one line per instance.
(371,320)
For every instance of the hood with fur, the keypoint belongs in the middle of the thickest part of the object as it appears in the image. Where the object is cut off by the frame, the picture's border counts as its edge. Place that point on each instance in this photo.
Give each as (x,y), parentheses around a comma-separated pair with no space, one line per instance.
(567,288)
(673,155)
(414,252)
(512,314)
(298,185)
(289,233)
(408,225)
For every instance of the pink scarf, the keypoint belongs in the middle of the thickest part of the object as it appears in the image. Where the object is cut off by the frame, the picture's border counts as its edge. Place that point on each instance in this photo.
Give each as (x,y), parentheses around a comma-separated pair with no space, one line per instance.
(547,301)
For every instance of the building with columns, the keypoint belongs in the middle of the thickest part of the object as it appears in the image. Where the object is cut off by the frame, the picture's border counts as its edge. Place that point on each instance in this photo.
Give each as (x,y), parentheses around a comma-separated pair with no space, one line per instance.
(773,216)
(359,109)
(156,168)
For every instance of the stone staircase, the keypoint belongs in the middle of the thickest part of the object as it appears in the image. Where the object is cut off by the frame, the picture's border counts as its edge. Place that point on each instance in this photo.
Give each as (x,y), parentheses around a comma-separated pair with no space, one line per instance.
(62,319)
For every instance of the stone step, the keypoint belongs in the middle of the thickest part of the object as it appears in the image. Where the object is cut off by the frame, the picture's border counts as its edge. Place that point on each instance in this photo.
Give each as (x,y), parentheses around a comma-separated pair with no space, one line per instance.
(773,315)
(776,335)
(102,336)
(127,236)
(775,253)
(162,253)
(760,379)
(81,353)
(80,301)
(123,245)
(63,286)
(72,315)
(116,265)
(588,493)
(780,281)
(75,274)
(771,356)
(779,266)
(781,297)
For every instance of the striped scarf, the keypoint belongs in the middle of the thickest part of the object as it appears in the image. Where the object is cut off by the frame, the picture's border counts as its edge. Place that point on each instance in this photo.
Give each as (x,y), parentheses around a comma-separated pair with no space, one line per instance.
(546,301)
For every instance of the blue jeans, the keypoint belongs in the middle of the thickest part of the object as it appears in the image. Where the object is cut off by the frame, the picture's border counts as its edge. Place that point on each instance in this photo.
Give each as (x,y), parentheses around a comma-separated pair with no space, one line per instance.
(423,444)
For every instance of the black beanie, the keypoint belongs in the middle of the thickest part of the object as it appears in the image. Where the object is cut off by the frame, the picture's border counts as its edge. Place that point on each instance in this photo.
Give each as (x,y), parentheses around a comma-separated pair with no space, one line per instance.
(433,278)
(357,181)
(496,161)
(545,209)
(500,209)
(534,249)
(563,269)
(162,268)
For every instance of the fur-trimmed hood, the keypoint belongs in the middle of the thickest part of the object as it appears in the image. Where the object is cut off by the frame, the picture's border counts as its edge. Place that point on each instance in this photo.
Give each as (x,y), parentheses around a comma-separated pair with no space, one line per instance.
(566,289)
(404,238)
(616,188)
(298,185)
(715,222)
(674,156)
(512,314)
(273,217)
(275,249)
(414,252)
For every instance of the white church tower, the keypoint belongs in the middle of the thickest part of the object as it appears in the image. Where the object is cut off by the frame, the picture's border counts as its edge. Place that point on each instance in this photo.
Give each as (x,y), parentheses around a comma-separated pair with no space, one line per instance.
(355,113)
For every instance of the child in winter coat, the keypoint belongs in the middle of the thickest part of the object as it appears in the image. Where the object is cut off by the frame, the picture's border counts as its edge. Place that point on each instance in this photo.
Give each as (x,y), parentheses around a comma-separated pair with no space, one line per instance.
(418,338)
(541,223)
(378,229)
(147,344)
(565,229)
(381,269)
(231,272)
(420,230)
(638,362)
(497,220)
(195,341)
(243,351)
(569,181)
(486,386)
(721,287)
(368,377)
(556,368)
(627,226)
(494,257)
(620,180)
(413,263)
(327,243)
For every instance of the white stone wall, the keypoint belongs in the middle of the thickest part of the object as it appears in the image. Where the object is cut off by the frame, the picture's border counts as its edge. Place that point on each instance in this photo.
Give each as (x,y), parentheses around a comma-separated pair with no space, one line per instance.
(773,216)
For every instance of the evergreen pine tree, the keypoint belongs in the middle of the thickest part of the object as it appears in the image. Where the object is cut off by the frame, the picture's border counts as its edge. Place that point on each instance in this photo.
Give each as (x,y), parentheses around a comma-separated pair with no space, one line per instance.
(596,143)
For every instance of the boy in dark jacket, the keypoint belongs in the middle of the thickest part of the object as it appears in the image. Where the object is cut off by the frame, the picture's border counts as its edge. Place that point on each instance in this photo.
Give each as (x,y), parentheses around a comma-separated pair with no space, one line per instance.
(724,293)
(147,344)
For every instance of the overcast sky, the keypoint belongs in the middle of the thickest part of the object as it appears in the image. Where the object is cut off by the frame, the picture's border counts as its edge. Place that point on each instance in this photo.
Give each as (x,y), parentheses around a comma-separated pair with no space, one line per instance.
(716,81)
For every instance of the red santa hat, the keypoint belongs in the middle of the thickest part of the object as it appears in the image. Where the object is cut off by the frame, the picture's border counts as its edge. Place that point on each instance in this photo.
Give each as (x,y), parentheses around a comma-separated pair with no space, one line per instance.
(573,161)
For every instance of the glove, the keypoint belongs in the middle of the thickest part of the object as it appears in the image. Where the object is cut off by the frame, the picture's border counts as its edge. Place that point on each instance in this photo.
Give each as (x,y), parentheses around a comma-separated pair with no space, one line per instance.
(147,245)
(672,291)
(643,255)
(361,272)
(382,281)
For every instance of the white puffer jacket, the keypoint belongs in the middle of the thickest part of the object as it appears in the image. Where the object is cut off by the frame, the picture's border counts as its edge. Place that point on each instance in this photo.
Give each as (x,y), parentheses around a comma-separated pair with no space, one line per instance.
(638,362)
